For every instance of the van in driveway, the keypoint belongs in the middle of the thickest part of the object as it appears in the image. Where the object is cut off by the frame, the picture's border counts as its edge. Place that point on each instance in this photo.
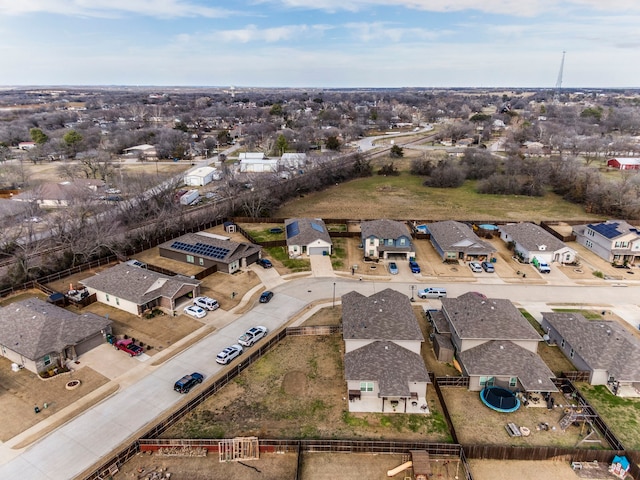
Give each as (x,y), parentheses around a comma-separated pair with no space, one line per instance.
(541,265)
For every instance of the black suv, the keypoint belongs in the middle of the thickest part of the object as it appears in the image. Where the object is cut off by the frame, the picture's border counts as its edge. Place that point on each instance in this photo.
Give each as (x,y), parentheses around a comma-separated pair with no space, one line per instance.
(185,383)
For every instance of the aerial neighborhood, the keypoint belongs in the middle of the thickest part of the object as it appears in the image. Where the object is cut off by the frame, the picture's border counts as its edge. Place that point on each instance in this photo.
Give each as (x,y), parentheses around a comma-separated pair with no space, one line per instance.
(403,276)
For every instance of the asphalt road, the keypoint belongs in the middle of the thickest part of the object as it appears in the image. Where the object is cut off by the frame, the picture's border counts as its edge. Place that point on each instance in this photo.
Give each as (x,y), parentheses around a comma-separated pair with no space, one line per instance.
(79,444)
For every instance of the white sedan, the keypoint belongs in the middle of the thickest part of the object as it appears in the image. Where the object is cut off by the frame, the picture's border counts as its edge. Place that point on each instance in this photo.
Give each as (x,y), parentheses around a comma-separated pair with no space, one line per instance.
(228,354)
(195,311)
(252,335)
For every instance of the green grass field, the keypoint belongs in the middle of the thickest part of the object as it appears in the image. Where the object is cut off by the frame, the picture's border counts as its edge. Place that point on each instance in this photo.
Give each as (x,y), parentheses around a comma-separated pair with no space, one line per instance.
(404,197)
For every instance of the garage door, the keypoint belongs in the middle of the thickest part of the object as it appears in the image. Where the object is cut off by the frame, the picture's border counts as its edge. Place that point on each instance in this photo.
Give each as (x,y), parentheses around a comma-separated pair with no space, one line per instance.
(90,343)
(318,250)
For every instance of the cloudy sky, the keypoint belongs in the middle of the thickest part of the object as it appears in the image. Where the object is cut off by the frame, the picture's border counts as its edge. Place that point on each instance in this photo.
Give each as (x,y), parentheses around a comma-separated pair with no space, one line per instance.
(320,43)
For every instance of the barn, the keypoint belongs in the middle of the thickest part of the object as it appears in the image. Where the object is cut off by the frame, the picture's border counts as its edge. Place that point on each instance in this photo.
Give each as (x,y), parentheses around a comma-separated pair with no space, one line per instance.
(624,163)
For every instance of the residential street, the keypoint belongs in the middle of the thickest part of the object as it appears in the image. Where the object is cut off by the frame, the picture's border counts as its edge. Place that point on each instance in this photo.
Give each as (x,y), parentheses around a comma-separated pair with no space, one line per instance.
(146,391)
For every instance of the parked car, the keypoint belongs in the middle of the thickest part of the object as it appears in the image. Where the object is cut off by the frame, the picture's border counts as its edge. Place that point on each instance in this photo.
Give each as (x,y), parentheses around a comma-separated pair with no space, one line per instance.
(187,382)
(207,303)
(393,268)
(266,296)
(432,292)
(252,335)
(127,346)
(475,267)
(488,267)
(195,311)
(413,265)
(265,263)
(228,354)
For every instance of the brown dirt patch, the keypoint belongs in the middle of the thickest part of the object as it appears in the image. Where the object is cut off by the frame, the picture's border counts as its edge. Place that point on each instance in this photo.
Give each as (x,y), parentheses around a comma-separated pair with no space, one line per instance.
(158,332)
(294,383)
(22,390)
(531,470)
(270,466)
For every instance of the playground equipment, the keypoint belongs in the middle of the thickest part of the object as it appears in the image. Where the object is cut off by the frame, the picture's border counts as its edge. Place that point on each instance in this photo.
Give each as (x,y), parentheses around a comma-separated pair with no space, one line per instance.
(400,468)
(499,399)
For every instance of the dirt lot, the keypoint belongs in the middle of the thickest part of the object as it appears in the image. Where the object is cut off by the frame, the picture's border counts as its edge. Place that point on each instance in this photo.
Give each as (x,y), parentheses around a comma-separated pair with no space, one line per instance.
(314,466)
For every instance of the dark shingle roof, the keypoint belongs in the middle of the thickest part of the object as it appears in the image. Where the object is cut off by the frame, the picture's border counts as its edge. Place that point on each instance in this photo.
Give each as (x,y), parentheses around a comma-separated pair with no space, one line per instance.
(384,229)
(533,237)
(308,230)
(386,315)
(505,358)
(392,366)
(474,317)
(456,236)
(34,328)
(604,345)
(231,250)
(136,284)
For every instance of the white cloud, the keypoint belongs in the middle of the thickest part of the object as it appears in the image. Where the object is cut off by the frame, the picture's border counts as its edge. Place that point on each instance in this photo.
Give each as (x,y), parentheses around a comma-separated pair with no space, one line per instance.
(251,33)
(384,31)
(522,8)
(112,8)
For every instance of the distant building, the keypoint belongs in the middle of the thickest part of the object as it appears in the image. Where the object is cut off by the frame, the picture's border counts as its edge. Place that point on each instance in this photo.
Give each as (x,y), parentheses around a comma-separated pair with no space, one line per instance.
(624,163)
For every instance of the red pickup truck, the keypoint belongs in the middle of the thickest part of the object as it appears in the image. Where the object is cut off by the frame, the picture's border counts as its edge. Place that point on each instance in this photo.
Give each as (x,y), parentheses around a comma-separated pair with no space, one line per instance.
(127,345)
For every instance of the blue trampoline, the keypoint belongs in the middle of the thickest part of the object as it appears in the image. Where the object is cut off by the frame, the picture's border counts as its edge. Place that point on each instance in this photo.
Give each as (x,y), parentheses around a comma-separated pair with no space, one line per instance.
(499,399)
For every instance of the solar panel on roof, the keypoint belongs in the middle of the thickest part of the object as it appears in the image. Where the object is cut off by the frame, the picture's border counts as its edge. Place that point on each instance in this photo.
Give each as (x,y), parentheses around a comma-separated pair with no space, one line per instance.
(202,249)
(317,227)
(293,229)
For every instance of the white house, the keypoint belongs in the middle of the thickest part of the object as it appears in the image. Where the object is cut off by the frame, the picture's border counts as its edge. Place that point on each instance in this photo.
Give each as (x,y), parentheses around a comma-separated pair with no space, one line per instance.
(307,236)
(615,241)
(531,240)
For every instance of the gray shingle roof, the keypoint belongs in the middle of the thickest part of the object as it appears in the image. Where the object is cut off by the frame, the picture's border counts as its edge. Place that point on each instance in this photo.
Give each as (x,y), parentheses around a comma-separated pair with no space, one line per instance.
(456,236)
(384,229)
(533,237)
(236,250)
(474,317)
(505,358)
(34,328)
(136,284)
(309,230)
(386,315)
(392,366)
(604,345)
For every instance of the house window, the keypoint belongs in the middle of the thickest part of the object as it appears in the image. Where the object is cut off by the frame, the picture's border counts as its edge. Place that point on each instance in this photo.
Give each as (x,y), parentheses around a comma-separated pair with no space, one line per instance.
(201,261)
(487,381)
(117,301)
(190,259)
(571,353)
(403,241)
(4,350)
(513,381)
(372,253)
(107,295)
(366,386)
(390,242)
(47,360)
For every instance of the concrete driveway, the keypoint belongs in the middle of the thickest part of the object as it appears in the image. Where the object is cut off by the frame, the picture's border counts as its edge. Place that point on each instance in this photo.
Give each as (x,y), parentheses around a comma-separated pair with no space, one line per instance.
(109,362)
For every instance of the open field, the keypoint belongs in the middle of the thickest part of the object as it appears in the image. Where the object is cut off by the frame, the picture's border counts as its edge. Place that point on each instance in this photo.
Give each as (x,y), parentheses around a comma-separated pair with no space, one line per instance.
(404,197)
